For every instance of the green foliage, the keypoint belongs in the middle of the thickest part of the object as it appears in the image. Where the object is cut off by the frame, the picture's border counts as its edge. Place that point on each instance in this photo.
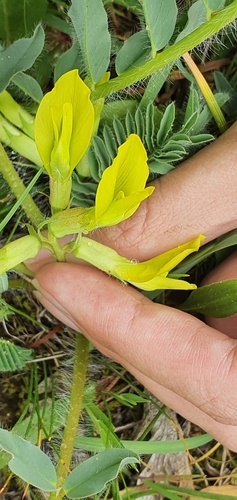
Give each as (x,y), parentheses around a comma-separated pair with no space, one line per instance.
(218,299)
(20,56)
(135,51)
(230,88)
(95,445)
(28,461)
(17,19)
(12,357)
(29,86)
(196,17)
(71,59)
(167,143)
(90,23)
(104,427)
(90,477)
(160,18)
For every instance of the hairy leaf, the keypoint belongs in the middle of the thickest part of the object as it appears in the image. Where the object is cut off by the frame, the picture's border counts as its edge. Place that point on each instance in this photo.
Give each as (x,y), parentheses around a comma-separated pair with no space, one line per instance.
(197,15)
(160,18)
(29,85)
(20,56)
(71,59)
(135,51)
(91,26)
(19,18)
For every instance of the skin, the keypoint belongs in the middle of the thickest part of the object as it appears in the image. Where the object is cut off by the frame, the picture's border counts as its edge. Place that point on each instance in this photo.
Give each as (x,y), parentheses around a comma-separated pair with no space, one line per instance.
(189,365)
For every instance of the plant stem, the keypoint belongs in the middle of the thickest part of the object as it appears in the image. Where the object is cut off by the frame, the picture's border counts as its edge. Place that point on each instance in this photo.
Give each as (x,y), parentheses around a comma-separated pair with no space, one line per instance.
(71,425)
(207,93)
(169,55)
(17,187)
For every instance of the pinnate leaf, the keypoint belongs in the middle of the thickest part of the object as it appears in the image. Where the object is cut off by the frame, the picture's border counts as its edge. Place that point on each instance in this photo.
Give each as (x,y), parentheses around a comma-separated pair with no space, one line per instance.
(12,357)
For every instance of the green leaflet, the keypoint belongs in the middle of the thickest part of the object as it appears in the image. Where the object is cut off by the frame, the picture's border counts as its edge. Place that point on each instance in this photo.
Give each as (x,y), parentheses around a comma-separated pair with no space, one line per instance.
(91,26)
(90,477)
(20,56)
(28,461)
(71,59)
(29,85)
(197,15)
(134,52)
(160,16)
(12,357)
(104,426)
(218,299)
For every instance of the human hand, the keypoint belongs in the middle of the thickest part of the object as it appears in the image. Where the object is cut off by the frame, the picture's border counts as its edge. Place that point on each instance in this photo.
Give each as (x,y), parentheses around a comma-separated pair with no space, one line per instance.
(190,366)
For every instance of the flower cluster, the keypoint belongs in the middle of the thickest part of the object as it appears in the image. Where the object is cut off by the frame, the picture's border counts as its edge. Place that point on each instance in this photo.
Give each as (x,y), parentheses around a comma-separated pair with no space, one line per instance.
(63,129)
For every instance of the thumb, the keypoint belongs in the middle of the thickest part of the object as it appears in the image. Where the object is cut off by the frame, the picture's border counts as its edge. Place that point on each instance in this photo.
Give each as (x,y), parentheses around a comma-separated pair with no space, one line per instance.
(152,341)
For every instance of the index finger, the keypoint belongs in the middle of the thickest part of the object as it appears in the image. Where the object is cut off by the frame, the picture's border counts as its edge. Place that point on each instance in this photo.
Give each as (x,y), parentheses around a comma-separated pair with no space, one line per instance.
(197,197)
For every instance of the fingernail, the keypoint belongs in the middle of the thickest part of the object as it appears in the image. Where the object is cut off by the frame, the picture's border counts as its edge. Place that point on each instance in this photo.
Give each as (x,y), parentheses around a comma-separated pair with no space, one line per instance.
(36,284)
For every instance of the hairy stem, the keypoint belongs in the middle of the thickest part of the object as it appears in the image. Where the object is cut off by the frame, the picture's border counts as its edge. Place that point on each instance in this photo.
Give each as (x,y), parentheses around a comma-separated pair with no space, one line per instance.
(169,55)
(17,187)
(71,425)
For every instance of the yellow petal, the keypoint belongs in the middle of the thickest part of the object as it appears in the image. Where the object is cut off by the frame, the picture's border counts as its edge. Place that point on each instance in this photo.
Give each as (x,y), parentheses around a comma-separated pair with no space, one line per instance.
(123,208)
(68,89)
(150,270)
(163,283)
(60,156)
(128,174)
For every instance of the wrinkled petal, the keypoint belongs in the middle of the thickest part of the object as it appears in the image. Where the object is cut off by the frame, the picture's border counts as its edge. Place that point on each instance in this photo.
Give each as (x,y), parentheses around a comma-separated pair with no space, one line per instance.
(142,272)
(69,89)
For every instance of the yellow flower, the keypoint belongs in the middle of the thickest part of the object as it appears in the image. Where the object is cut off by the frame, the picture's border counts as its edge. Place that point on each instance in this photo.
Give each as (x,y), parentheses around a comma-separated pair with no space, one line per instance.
(64,124)
(119,194)
(122,186)
(152,274)
(147,275)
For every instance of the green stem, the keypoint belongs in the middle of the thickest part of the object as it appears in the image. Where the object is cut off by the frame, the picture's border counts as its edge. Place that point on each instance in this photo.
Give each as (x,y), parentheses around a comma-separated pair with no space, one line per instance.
(169,55)
(17,187)
(71,426)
